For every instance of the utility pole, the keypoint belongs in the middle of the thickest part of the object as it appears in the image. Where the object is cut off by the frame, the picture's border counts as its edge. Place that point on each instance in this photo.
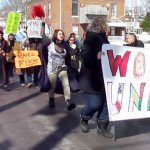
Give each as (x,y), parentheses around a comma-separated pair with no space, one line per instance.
(134,4)
(60,11)
(25,19)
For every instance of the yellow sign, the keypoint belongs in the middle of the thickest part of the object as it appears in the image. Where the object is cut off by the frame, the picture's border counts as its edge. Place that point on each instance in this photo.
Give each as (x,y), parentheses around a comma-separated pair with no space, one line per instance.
(25,59)
(12,22)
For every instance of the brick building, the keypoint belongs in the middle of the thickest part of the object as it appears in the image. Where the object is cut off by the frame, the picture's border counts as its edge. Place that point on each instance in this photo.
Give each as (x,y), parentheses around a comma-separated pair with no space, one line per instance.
(76,15)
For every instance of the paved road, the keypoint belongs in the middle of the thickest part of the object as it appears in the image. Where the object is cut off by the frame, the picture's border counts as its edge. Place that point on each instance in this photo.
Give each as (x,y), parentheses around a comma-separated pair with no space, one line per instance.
(26,123)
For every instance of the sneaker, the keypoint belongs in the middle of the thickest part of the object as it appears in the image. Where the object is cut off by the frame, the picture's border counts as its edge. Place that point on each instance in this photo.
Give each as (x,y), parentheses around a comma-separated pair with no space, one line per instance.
(23,85)
(7,87)
(29,85)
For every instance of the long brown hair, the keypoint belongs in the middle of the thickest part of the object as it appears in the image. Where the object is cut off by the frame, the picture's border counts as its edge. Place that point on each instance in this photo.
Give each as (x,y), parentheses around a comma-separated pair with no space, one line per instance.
(54,38)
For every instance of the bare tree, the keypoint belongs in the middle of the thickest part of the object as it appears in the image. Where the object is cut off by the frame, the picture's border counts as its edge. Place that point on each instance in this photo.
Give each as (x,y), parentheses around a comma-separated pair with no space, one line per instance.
(15,5)
(146,5)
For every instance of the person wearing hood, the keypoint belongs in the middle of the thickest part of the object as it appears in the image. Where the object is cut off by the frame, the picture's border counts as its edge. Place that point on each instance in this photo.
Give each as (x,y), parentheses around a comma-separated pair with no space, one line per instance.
(132,40)
(91,80)
(12,45)
(74,56)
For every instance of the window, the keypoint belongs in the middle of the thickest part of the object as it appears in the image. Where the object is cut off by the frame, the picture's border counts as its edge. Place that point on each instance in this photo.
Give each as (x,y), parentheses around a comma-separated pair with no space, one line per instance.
(112,31)
(74,7)
(75,30)
(47,30)
(49,10)
(113,10)
(44,10)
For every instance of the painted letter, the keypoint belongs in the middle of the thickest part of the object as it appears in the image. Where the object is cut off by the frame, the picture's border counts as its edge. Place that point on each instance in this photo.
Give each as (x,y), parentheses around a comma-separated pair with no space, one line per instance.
(134,98)
(139,65)
(122,63)
(115,108)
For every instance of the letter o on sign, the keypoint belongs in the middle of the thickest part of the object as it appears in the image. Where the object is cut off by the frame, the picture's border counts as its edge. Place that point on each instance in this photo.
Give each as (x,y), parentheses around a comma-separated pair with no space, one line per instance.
(139,65)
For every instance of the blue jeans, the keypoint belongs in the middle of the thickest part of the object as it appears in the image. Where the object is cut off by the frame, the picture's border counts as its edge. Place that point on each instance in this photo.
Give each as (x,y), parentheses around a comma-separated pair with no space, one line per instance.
(95,103)
(22,79)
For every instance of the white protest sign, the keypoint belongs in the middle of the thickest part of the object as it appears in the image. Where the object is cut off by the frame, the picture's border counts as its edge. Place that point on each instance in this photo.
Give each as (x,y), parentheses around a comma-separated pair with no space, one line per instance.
(126,72)
(34,28)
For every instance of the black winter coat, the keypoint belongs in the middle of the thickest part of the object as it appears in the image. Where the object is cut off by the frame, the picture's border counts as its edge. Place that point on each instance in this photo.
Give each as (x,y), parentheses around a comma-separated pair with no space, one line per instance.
(137,43)
(91,76)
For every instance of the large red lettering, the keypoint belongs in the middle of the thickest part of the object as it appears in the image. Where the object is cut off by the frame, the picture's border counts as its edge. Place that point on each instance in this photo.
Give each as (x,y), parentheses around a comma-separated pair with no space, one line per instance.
(122,63)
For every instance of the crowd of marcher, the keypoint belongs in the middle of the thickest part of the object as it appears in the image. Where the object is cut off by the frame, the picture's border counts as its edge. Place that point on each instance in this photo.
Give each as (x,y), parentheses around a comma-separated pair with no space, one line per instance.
(67,66)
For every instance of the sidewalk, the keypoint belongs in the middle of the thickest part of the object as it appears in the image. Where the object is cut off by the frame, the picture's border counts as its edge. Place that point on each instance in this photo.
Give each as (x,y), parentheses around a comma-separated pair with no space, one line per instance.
(26,123)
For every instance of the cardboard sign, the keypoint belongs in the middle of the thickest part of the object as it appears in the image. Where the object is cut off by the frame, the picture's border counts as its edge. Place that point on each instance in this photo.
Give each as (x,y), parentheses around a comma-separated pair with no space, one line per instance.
(25,59)
(126,72)
(12,22)
(34,28)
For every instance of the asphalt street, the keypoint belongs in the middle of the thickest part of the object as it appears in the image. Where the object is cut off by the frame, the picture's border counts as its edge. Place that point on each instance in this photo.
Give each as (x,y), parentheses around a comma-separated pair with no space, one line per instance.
(26,123)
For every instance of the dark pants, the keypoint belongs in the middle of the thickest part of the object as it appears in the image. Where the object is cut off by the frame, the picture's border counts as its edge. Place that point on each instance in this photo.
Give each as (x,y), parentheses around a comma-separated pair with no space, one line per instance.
(11,68)
(36,74)
(22,79)
(3,71)
(95,103)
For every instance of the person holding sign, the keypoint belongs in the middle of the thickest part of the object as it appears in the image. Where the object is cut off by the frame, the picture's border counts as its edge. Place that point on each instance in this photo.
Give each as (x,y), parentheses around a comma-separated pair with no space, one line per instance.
(24,45)
(3,63)
(56,68)
(91,78)
(36,44)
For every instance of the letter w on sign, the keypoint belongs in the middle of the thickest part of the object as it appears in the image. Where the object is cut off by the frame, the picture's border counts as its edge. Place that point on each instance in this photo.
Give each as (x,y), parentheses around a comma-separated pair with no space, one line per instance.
(118,62)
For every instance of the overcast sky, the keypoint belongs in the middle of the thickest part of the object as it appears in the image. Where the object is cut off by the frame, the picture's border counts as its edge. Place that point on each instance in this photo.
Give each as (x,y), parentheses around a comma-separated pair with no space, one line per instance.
(129,3)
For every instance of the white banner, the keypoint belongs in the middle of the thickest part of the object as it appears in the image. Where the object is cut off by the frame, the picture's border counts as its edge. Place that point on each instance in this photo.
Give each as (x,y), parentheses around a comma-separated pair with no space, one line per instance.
(126,72)
(34,28)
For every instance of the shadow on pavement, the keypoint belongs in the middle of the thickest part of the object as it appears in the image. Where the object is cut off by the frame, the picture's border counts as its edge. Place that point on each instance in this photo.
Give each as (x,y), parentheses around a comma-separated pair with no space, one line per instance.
(131,128)
(19,101)
(128,146)
(6,145)
(14,85)
(64,127)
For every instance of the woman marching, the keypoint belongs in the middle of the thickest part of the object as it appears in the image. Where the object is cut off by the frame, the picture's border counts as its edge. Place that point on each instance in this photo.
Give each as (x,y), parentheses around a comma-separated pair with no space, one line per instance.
(74,54)
(91,78)
(56,68)
(24,45)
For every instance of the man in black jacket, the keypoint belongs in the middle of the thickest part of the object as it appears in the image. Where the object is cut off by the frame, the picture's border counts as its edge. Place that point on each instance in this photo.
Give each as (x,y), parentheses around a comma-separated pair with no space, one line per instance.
(131,40)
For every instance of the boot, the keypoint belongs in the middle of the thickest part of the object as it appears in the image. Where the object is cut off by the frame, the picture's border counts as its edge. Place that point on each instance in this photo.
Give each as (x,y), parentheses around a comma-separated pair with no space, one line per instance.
(84,124)
(102,128)
(7,87)
(51,103)
(70,105)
